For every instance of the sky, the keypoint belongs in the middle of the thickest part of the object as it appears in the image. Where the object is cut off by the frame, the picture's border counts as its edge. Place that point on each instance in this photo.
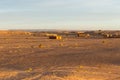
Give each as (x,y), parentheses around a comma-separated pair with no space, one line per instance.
(60,14)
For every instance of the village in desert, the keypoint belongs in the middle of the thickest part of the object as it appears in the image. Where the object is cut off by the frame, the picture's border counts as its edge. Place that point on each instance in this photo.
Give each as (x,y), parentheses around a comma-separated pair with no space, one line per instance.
(59,55)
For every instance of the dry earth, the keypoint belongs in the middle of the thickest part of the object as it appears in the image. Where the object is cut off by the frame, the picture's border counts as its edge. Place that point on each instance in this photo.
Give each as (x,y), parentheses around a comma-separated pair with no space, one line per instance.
(39,58)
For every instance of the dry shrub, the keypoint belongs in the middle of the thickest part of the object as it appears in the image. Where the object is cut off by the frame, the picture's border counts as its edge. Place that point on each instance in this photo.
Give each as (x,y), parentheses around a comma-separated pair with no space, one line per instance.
(61,44)
(29,70)
(76,45)
(32,46)
(103,41)
(41,46)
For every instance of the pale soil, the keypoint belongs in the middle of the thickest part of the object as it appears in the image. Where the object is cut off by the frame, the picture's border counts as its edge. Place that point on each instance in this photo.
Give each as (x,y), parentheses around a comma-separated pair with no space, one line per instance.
(39,58)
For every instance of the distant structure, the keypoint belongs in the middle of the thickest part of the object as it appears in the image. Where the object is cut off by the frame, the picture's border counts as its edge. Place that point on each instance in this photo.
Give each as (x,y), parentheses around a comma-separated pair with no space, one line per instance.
(83,34)
(48,35)
(111,35)
(55,37)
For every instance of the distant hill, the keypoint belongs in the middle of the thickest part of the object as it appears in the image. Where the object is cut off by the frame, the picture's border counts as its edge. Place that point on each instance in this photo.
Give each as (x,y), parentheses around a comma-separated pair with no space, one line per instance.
(14,32)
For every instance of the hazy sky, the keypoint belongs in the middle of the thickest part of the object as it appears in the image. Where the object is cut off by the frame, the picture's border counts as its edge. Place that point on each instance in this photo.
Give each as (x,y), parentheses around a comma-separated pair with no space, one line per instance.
(60,14)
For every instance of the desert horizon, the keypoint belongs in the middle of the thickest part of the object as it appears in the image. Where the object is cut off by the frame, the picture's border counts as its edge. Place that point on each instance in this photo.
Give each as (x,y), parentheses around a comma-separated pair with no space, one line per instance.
(59,55)
(59,39)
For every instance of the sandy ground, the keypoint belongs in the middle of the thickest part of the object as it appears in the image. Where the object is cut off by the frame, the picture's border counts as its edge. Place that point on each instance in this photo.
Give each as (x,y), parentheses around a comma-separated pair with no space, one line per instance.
(39,58)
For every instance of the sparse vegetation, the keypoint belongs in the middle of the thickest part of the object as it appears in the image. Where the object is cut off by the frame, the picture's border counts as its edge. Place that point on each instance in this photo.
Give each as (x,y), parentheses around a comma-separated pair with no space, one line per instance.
(61,44)
(36,57)
(41,46)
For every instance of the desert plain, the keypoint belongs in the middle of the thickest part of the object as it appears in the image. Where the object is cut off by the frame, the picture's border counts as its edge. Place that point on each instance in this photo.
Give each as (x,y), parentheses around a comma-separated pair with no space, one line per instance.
(29,57)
